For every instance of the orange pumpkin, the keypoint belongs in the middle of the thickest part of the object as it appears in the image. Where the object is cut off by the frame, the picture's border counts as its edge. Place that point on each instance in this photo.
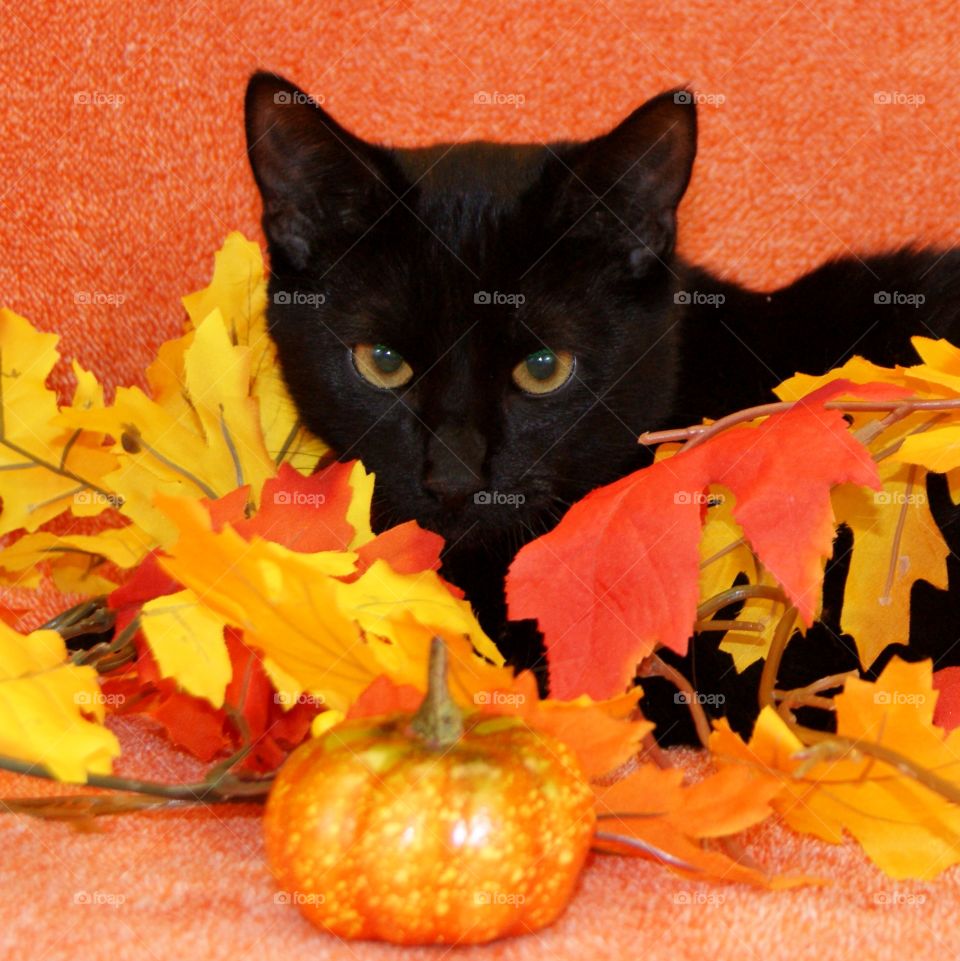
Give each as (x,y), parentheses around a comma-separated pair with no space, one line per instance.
(419,829)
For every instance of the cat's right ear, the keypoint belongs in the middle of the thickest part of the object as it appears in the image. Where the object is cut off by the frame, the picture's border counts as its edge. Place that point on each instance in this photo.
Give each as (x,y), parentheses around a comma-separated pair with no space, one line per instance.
(632,178)
(317,180)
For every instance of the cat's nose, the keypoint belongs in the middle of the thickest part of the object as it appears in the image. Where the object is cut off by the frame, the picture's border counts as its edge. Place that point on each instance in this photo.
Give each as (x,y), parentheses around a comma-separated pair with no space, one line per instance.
(454,468)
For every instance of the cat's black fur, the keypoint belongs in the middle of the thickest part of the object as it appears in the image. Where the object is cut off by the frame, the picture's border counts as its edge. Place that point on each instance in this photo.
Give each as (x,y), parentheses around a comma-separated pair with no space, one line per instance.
(375,245)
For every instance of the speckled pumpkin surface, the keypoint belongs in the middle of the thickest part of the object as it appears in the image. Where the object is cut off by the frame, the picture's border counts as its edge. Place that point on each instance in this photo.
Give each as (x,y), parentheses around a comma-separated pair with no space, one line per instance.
(374,834)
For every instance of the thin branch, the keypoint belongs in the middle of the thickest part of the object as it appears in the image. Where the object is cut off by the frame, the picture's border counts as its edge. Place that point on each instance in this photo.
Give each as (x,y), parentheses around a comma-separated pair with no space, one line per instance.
(771,665)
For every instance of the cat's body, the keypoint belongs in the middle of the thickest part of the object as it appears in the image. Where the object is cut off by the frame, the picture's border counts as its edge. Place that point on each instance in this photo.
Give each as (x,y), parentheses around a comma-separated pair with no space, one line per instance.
(455,265)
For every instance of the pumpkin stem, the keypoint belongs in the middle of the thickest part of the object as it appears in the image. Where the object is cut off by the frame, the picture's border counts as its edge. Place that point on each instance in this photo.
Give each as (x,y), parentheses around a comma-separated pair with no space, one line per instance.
(438,721)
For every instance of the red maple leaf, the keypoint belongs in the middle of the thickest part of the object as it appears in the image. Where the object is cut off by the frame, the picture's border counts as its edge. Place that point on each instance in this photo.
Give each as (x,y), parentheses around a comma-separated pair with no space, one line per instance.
(620,573)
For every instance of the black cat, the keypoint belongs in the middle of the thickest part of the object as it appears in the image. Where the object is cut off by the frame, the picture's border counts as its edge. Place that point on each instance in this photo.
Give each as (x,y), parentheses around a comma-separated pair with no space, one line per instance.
(490,326)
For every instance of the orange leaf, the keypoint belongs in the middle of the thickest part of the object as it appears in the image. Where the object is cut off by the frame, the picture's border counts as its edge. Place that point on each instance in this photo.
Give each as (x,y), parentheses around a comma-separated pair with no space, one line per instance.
(620,573)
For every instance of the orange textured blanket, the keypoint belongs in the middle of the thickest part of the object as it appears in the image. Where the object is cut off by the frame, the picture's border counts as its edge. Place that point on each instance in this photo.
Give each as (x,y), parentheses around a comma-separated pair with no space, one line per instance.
(825,128)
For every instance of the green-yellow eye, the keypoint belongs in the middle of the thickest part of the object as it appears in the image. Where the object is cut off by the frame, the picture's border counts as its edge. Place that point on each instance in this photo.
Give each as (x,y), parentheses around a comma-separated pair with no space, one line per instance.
(381,366)
(544,371)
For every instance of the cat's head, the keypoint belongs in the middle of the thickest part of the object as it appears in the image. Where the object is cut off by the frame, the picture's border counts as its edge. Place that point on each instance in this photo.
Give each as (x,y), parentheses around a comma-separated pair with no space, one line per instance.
(487,326)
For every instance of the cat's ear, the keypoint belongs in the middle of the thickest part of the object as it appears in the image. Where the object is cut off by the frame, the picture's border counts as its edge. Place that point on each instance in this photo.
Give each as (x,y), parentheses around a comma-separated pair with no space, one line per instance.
(630,180)
(317,180)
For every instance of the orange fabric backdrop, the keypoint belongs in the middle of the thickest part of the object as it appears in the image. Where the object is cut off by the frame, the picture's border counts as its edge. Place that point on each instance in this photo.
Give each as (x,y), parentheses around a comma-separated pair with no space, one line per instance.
(123,169)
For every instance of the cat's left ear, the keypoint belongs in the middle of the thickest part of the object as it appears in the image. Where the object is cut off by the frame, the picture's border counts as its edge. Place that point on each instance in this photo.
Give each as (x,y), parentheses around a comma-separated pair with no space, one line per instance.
(320,184)
(631,179)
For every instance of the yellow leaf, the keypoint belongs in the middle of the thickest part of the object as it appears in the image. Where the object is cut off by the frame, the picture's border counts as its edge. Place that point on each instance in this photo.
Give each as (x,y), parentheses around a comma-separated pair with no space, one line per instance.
(34,444)
(238,291)
(50,709)
(895,543)
(75,558)
(358,514)
(327,636)
(855,782)
(186,639)
(725,555)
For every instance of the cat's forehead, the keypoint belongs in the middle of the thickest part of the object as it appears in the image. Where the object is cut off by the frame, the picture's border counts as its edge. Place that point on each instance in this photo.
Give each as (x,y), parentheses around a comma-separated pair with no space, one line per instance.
(499,172)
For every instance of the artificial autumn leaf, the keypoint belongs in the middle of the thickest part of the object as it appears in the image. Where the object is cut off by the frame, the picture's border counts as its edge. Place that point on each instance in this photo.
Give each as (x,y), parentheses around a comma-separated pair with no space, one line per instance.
(860,782)
(946,682)
(328,636)
(187,642)
(239,291)
(652,805)
(47,465)
(724,555)
(50,710)
(217,448)
(75,560)
(624,561)
(895,542)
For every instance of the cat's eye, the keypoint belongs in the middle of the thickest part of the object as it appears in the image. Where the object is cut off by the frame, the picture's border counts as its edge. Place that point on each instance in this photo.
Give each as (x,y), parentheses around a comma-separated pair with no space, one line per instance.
(544,371)
(381,366)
